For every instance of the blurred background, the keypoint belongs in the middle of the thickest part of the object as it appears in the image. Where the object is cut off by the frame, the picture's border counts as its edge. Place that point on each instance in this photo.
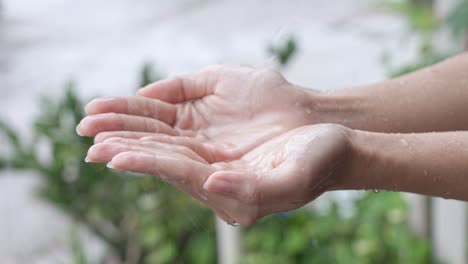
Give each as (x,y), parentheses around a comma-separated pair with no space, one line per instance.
(55,55)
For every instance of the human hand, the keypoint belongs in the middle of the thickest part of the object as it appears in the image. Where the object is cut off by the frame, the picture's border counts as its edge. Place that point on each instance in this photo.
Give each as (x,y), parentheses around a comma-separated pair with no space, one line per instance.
(231,109)
(282,174)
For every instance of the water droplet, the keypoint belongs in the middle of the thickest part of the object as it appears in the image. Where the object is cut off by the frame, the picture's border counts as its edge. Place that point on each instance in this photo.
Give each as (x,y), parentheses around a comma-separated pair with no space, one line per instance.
(404,142)
(164,178)
(203,196)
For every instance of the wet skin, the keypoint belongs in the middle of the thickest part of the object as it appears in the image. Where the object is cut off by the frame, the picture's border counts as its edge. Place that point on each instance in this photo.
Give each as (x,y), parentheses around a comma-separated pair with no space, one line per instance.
(247,143)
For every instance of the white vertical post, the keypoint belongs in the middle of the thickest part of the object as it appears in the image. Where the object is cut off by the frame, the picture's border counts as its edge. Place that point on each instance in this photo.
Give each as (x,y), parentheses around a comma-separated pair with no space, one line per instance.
(228,242)
(418,214)
(449,230)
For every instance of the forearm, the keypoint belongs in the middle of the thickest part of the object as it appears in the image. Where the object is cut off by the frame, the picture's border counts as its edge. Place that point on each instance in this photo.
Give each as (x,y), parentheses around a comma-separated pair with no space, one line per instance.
(432,99)
(428,163)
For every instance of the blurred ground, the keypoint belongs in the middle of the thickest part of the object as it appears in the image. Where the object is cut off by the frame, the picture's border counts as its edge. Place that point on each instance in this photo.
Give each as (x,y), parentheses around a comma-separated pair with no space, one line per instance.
(103,44)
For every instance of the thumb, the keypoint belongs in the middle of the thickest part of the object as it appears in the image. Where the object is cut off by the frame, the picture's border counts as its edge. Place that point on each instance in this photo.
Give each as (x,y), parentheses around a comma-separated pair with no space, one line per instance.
(241,186)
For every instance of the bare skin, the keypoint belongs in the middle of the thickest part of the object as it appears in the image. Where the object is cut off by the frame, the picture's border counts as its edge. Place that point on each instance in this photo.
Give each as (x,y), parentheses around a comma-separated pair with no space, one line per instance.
(428,100)
(202,106)
(245,189)
(243,140)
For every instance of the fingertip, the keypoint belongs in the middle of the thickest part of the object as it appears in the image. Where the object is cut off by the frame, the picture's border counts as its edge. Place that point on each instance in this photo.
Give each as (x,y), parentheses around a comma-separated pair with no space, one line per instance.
(142,91)
(78,130)
(83,128)
(120,161)
(100,137)
(94,153)
(129,160)
(221,182)
(91,107)
(149,89)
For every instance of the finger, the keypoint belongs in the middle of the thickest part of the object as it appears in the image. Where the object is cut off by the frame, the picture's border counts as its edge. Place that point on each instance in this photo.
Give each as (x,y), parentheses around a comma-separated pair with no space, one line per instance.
(92,125)
(223,216)
(240,185)
(153,145)
(239,193)
(172,167)
(104,152)
(206,150)
(250,187)
(102,136)
(134,105)
(176,90)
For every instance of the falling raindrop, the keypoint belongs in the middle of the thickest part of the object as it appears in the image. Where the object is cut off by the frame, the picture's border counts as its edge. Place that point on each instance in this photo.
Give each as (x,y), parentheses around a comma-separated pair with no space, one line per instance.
(203,196)
(404,142)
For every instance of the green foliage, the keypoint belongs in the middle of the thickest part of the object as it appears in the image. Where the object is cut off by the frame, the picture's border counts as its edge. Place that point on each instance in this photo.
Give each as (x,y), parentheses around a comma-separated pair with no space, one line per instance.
(419,14)
(79,256)
(423,21)
(423,60)
(148,75)
(458,20)
(283,51)
(375,233)
(144,220)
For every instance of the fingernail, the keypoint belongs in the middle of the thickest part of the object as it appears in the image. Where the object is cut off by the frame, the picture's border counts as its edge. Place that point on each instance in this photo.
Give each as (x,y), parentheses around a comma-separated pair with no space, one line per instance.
(105,99)
(223,186)
(77,129)
(109,165)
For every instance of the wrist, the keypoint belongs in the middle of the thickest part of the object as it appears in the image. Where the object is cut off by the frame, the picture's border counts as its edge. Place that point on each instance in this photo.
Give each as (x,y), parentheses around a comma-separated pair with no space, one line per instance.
(338,107)
(361,159)
(373,160)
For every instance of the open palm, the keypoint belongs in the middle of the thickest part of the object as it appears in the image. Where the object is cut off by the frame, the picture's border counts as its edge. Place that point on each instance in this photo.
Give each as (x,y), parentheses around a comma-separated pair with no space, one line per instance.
(229,109)
(284,173)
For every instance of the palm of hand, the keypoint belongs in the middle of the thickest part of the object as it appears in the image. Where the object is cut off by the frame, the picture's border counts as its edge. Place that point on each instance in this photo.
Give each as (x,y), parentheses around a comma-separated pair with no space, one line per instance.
(231,109)
(282,174)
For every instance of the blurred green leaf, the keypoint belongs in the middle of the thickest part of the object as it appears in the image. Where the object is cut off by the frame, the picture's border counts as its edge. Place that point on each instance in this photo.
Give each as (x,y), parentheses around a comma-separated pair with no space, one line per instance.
(10,135)
(79,256)
(164,254)
(375,233)
(458,19)
(420,14)
(284,51)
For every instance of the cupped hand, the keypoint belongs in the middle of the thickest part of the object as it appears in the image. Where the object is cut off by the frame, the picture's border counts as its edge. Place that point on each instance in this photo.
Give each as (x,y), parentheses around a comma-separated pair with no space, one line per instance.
(231,109)
(282,174)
